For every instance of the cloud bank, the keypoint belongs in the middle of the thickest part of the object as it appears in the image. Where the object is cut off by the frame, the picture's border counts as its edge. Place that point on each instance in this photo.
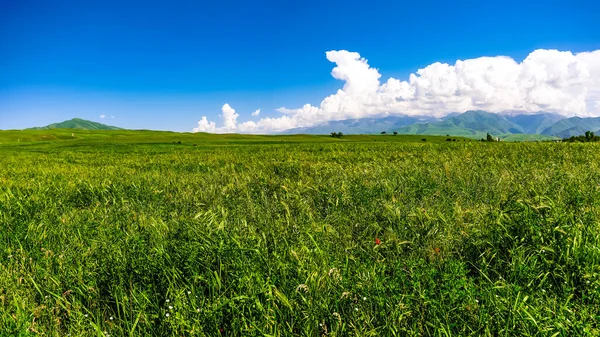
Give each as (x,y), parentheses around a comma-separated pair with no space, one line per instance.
(548,80)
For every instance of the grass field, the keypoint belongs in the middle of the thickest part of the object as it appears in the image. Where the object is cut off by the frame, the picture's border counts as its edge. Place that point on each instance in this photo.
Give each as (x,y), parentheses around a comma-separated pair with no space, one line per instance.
(127,233)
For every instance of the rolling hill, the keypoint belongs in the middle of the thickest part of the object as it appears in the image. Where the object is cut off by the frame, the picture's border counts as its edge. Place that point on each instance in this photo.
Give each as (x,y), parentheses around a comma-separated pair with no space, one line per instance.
(78,124)
(470,123)
(534,123)
(573,126)
(513,125)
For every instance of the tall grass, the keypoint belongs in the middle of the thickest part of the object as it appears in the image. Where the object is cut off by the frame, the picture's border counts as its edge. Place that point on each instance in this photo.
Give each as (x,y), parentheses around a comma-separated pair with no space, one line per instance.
(280,239)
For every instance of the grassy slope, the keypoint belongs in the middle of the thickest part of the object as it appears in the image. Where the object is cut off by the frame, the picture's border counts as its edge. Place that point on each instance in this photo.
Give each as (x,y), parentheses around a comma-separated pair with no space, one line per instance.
(274,238)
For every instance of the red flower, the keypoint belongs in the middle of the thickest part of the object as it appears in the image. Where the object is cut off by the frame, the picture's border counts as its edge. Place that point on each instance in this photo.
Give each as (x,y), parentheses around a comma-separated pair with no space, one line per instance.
(377,241)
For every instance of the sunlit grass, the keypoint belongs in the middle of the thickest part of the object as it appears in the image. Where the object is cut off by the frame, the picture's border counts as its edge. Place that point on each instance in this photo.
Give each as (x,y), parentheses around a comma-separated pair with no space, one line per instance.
(336,238)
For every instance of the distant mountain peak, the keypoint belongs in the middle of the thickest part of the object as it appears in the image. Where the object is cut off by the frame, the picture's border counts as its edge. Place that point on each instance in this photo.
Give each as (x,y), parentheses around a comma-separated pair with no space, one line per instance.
(77,124)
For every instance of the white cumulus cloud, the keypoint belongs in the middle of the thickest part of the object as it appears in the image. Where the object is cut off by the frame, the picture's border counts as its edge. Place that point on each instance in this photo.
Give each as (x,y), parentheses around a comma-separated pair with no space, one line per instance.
(549,80)
(102,116)
(228,119)
(256,113)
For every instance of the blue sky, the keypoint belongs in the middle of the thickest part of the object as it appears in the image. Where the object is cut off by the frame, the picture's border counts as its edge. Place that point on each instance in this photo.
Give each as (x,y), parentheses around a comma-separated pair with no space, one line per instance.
(159,65)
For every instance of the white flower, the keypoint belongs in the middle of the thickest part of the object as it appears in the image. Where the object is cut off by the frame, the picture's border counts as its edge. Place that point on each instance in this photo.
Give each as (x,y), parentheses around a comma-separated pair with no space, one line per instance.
(86,315)
(189,292)
(588,282)
(170,307)
(356,309)
(364,298)
(198,310)
(543,290)
(167,314)
(111,318)
(302,287)
(477,301)
(168,301)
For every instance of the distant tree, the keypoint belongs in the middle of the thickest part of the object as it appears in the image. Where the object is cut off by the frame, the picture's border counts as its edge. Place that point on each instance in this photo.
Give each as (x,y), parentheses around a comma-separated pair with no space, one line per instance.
(448,139)
(383,132)
(589,136)
(340,134)
(489,138)
(423,139)
(334,134)
(395,133)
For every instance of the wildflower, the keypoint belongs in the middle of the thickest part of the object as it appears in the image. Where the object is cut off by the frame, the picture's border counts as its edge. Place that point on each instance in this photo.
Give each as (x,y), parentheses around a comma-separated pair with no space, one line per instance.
(345,294)
(189,292)
(167,301)
(543,290)
(170,307)
(477,301)
(111,318)
(364,298)
(302,287)
(167,314)
(588,282)
(334,273)
(377,241)
(337,316)
(197,309)
(86,315)
(356,308)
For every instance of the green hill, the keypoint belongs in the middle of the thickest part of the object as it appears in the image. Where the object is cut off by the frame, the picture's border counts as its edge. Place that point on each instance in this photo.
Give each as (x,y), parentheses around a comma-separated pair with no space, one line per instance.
(469,124)
(573,126)
(79,124)
(535,123)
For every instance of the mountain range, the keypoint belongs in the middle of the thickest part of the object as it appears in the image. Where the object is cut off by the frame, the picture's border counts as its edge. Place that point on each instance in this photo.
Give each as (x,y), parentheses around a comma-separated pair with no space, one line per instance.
(78,124)
(475,124)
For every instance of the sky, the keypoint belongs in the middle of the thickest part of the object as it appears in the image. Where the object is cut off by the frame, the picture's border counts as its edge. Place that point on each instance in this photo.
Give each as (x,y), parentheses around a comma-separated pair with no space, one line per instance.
(266,66)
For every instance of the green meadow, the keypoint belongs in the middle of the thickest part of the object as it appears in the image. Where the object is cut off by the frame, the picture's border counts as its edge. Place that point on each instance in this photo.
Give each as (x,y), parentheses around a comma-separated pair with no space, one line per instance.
(145,233)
